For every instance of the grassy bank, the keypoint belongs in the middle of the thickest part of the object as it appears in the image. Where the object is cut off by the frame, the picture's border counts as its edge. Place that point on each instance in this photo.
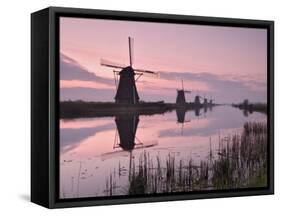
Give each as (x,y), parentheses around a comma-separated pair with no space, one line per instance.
(240,161)
(80,109)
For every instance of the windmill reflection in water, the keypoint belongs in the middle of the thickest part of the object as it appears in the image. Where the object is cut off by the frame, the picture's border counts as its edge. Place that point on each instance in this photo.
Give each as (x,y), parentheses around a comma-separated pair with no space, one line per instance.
(125,139)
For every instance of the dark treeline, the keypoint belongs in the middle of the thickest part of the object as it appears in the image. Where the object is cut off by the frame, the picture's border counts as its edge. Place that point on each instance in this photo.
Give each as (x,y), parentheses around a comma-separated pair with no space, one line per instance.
(251,107)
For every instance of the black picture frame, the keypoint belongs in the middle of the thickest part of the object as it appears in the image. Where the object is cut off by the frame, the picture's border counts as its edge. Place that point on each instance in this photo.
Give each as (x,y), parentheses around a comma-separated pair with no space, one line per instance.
(45,105)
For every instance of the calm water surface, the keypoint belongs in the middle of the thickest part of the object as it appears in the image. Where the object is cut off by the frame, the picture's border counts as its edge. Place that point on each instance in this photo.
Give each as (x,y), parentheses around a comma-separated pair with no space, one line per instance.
(92,149)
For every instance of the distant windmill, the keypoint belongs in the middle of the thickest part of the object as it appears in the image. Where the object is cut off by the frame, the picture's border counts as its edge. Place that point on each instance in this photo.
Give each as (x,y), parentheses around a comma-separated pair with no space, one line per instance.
(205,102)
(126,90)
(181,95)
(211,101)
(197,101)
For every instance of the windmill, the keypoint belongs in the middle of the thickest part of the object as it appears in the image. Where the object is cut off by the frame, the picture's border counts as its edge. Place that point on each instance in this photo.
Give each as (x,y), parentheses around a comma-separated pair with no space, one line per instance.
(181,95)
(126,83)
(205,103)
(197,102)
(197,105)
(211,102)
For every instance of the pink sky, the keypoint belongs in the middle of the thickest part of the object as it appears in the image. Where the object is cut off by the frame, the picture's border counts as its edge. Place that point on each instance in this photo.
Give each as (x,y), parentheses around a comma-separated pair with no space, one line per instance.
(226,62)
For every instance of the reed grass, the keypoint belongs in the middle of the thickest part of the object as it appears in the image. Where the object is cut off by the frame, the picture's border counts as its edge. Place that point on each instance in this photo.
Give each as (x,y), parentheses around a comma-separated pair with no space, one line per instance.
(241,161)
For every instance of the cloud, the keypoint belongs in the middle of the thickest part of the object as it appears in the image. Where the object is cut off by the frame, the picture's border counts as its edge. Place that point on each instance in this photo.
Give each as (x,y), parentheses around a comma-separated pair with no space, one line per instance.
(84,84)
(223,89)
(87,94)
(77,83)
(72,70)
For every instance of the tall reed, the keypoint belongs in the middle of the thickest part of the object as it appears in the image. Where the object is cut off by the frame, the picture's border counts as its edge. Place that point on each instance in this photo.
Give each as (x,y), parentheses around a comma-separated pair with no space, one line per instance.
(241,161)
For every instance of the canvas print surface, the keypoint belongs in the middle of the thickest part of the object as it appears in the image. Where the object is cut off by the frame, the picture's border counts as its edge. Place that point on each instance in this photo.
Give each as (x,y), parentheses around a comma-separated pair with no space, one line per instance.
(158,108)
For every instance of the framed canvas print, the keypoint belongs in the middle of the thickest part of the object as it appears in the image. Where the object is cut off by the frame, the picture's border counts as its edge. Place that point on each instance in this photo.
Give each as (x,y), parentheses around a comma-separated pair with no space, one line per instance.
(139,107)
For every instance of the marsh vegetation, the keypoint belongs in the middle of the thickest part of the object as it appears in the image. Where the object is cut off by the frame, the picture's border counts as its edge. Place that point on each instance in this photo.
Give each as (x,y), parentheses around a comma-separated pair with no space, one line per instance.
(240,161)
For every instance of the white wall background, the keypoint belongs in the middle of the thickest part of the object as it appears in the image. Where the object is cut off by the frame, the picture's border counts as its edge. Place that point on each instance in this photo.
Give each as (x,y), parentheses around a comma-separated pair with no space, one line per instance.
(15,107)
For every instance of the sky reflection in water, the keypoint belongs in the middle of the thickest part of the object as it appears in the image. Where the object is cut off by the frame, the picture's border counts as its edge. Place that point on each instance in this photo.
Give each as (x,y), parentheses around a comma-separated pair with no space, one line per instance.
(89,148)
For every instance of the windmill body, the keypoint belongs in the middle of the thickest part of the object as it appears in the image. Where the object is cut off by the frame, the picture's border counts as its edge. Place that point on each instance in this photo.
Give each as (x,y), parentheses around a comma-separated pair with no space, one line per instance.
(127,90)
(211,102)
(205,102)
(181,95)
(197,102)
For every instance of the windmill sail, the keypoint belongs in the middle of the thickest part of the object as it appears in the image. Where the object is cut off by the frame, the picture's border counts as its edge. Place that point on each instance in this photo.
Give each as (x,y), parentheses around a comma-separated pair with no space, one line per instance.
(145,71)
(108,63)
(131,51)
